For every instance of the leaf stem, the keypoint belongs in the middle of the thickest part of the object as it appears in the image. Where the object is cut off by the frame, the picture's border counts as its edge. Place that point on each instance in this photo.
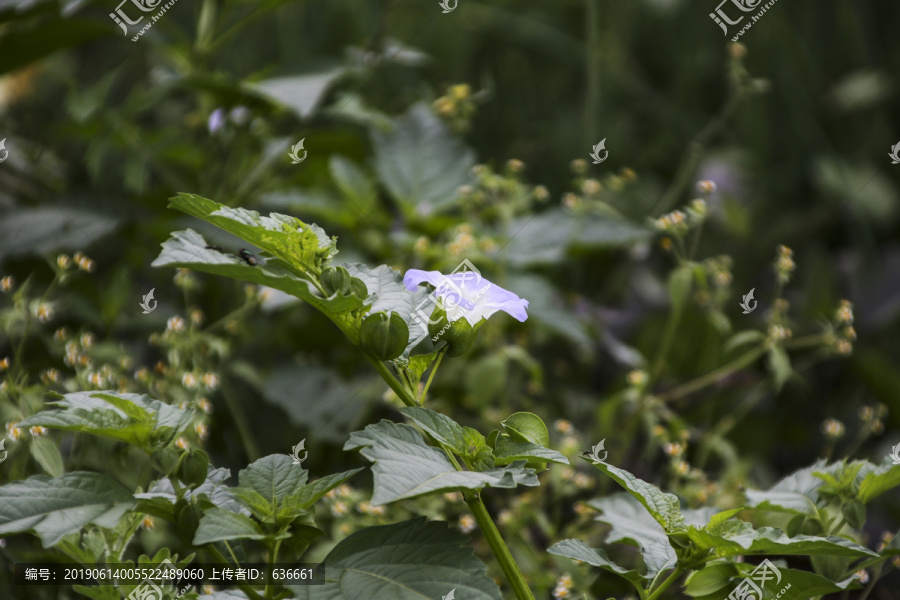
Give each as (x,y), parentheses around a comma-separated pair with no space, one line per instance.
(713,376)
(498,546)
(433,371)
(665,584)
(246,588)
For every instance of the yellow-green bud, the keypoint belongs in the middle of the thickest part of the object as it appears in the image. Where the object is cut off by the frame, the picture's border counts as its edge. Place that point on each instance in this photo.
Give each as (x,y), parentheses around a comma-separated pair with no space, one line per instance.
(334,280)
(192,467)
(384,336)
(459,335)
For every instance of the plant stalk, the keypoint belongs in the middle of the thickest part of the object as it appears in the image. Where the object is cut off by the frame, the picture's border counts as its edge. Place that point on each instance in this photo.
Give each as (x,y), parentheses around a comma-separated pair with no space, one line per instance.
(665,584)
(713,376)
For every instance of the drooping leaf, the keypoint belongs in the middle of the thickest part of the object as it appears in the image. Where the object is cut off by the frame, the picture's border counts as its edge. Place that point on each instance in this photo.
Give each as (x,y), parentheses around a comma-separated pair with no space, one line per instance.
(578,550)
(875,480)
(439,426)
(665,508)
(405,467)
(218,524)
(420,162)
(300,93)
(630,521)
(739,538)
(412,560)
(507,451)
(798,492)
(47,454)
(134,418)
(42,230)
(55,507)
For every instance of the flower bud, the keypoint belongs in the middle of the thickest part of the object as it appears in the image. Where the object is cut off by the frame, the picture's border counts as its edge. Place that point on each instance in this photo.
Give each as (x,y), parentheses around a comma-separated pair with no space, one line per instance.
(335,280)
(384,336)
(459,335)
(192,467)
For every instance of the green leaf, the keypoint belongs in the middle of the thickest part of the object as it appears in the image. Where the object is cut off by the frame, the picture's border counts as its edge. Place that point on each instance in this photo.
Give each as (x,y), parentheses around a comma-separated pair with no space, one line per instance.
(440,427)
(507,451)
(578,550)
(709,580)
(300,93)
(405,467)
(353,182)
(738,538)
(664,508)
(312,492)
(630,521)
(743,338)
(134,418)
(412,560)
(854,512)
(680,281)
(798,492)
(47,455)
(803,583)
(527,427)
(218,524)
(780,364)
(42,230)
(875,480)
(420,162)
(55,507)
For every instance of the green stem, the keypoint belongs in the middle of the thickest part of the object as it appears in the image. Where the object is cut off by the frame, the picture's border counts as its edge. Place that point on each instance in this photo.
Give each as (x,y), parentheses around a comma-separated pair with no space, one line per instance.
(393,382)
(244,587)
(671,326)
(241,423)
(433,371)
(713,376)
(665,584)
(498,546)
(270,589)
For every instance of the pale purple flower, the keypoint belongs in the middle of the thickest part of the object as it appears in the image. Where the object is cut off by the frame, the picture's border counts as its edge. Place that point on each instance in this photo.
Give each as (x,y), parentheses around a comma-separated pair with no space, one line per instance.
(468,294)
(216,121)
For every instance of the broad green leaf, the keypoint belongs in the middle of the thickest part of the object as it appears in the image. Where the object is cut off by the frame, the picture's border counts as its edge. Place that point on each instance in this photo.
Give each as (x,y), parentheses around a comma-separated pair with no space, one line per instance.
(412,560)
(42,230)
(218,524)
(405,467)
(266,483)
(875,480)
(353,182)
(134,418)
(300,93)
(738,538)
(527,427)
(440,427)
(420,162)
(578,550)
(312,492)
(803,583)
(47,454)
(710,579)
(680,281)
(665,508)
(507,451)
(160,497)
(55,507)
(631,521)
(743,338)
(798,492)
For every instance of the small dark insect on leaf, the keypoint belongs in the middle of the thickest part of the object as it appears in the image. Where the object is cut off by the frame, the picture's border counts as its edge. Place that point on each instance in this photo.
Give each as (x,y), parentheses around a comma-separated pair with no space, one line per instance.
(248,257)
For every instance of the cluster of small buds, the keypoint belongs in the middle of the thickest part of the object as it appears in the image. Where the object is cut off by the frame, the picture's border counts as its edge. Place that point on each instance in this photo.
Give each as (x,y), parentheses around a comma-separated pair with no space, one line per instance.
(563,587)
(659,431)
(189,380)
(453,497)
(467,523)
(38,431)
(456,107)
(591,187)
(463,240)
(629,175)
(682,467)
(421,246)
(784,264)
(863,576)
(12,432)
(541,194)
(175,325)
(675,222)
(61,334)
(84,263)
(50,376)
(205,405)
(582,481)
(7,284)
(366,508)
(181,443)
(202,430)
(697,210)
(579,166)
(570,445)
(563,426)
(63,262)
(583,510)
(833,429)
(719,268)
(514,165)
(4,363)
(705,186)
(777,332)
(43,311)
(737,51)
(148,523)
(674,449)
(886,538)
(197,316)
(637,378)
(872,417)
(184,278)
(210,381)
(571,201)
(844,313)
